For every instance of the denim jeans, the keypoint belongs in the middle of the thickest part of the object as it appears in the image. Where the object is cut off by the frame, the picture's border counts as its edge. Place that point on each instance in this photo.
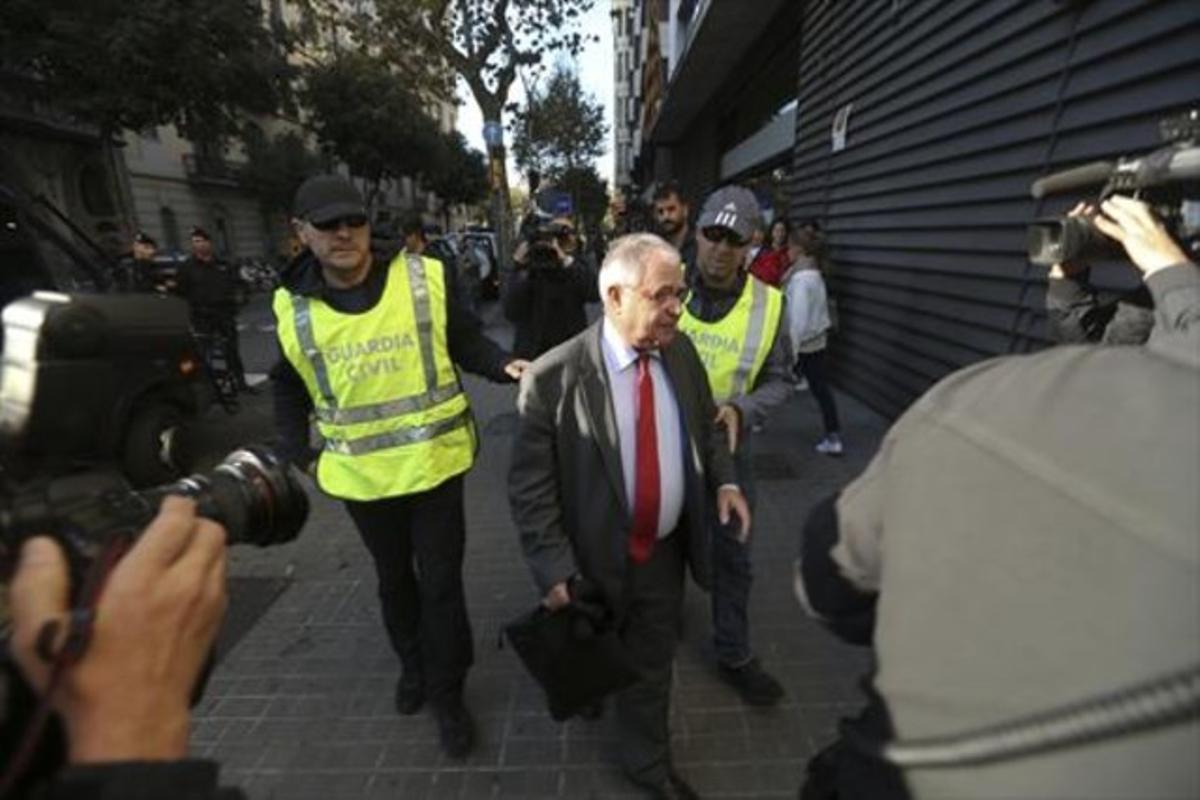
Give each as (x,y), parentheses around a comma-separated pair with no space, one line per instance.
(732,573)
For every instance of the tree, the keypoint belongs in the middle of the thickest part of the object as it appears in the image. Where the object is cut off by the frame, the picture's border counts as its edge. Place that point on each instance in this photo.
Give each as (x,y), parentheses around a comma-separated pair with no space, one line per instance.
(276,167)
(589,196)
(485,42)
(199,65)
(369,119)
(460,174)
(560,129)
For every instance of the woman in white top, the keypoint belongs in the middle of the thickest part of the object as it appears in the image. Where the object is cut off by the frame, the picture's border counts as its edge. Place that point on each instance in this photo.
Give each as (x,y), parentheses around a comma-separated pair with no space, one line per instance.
(808,321)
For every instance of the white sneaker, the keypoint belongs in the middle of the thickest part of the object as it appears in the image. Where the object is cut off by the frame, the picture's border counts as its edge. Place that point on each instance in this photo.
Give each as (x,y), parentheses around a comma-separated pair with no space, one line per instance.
(800,386)
(831,445)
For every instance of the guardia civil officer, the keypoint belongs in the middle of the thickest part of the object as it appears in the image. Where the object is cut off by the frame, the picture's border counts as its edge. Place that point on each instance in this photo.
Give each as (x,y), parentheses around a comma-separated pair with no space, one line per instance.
(734,320)
(369,348)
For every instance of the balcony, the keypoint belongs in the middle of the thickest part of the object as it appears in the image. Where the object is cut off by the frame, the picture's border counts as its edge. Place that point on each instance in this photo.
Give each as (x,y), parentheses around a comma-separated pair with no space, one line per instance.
(211,171)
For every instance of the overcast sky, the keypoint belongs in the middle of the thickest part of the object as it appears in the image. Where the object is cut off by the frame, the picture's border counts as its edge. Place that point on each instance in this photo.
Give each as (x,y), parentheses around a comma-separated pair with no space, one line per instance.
(595,66)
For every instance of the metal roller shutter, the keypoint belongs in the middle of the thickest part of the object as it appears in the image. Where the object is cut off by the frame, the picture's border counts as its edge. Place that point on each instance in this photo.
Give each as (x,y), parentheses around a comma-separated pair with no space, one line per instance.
(958,105)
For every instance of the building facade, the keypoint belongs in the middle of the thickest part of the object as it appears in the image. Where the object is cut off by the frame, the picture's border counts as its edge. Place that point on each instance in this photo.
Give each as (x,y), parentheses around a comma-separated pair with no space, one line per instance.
(720,104)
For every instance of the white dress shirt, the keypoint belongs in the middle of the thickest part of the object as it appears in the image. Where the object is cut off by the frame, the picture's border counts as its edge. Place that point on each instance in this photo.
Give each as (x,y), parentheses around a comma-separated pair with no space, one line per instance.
(620,361)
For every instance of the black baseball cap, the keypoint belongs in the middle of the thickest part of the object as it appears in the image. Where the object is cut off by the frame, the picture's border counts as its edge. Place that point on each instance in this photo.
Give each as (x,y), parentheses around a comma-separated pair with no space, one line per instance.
(324,198)
(141,237)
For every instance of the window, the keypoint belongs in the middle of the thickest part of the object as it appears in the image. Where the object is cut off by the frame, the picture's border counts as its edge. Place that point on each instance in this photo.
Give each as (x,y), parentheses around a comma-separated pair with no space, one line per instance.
(170,228)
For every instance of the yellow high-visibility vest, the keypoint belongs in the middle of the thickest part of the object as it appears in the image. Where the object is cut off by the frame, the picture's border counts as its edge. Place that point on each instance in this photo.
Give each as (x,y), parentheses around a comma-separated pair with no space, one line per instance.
(387,398)
(735,347)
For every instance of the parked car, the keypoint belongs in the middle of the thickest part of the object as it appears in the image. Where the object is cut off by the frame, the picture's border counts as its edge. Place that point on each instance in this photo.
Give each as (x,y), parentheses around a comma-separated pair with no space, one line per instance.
(156,399)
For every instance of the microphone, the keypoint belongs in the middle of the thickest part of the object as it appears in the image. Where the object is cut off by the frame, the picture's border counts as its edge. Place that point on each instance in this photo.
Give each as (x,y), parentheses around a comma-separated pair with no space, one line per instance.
(1068,179)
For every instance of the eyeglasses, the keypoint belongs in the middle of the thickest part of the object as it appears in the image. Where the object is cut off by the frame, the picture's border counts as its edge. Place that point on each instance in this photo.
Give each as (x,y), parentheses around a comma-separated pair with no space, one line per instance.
(352,221)
(717,234)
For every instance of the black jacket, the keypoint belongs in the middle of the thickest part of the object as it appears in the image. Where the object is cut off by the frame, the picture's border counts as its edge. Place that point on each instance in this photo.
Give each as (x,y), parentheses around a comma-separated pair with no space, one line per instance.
(469,348)
(208,285)
(1076,313)
(547,305)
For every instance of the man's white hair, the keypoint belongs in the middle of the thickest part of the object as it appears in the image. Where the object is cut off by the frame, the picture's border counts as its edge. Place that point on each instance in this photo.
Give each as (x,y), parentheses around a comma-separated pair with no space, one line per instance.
(625,264)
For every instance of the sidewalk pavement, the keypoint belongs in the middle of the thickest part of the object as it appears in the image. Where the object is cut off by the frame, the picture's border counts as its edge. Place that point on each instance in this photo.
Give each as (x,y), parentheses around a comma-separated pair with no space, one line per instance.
(301,706)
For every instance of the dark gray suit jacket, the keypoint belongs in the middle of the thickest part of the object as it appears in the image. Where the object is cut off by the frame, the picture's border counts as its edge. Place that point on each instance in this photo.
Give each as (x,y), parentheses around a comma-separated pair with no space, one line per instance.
(565,485)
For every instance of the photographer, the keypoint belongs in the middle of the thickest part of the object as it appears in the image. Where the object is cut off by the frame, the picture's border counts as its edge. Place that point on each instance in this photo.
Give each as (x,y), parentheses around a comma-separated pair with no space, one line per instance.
(1028,532)
(1076,312)
(124,705)
(544,297)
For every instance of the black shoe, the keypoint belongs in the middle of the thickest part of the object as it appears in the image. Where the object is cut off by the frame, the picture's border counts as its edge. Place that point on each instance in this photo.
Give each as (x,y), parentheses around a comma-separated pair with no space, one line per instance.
(756,687)
(410,693)
(673,788)
(455,728)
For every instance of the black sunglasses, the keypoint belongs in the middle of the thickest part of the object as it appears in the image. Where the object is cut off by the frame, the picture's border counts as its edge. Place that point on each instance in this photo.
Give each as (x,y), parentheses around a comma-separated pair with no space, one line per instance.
(717,234)
(352,221)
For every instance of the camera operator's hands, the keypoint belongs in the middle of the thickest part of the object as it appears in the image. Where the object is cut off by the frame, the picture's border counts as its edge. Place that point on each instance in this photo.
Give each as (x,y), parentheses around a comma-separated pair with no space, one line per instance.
(1069,269)
(1145,239)
(520,254)
(564,258)
(127,698)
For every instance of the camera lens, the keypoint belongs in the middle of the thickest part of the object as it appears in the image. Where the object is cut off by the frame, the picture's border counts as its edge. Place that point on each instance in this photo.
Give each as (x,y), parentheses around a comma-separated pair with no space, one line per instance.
(257,497)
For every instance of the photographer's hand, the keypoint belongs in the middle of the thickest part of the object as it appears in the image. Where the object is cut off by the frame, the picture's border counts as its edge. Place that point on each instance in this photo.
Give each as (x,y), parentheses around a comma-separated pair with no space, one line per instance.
(1069,269)
(127,698)
(1145,239)
(520,254)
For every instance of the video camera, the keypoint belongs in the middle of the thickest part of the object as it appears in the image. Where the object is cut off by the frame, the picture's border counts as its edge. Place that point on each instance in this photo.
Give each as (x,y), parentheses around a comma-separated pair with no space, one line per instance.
(67,361)
(1166,179)
(540,231)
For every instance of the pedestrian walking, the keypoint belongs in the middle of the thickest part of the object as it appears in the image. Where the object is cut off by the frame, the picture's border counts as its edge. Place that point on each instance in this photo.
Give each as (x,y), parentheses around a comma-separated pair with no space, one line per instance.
(617,444)
(772,260)
(736,323)
(370,349)
(673,217)
(807,327)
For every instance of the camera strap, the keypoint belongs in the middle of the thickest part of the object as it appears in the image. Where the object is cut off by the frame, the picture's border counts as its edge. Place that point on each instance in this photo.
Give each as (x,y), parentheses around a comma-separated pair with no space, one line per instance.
(73,648)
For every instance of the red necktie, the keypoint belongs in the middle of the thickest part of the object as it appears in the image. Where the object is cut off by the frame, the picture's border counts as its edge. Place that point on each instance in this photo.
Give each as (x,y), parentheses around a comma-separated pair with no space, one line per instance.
(645,477)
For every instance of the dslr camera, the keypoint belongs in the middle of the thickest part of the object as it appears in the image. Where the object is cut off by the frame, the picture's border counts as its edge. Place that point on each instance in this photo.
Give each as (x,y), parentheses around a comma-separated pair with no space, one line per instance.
(70,366)
(1167,179)
(66,361)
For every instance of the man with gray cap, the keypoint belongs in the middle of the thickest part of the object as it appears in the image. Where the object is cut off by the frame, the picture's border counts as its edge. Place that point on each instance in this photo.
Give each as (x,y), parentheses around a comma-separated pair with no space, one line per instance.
(370,350)
(734,320)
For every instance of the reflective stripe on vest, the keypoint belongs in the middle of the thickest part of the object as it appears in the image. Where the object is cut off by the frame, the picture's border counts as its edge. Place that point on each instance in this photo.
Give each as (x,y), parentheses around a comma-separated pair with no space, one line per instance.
(735,347)
(382,441)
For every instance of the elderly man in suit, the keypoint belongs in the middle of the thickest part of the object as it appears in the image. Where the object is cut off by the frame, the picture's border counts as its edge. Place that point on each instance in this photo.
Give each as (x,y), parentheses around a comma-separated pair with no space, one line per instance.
(615,467)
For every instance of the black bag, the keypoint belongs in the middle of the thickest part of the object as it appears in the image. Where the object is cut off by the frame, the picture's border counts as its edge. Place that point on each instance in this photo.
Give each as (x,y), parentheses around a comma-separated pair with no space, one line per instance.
(573,653)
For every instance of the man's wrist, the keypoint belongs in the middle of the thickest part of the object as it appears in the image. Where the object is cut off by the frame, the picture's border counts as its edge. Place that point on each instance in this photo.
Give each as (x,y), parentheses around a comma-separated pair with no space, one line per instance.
(117,735)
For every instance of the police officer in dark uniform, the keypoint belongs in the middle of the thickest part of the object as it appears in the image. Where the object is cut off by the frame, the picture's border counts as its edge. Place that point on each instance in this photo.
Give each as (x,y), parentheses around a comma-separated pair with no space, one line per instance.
(210,285)
(135,272)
